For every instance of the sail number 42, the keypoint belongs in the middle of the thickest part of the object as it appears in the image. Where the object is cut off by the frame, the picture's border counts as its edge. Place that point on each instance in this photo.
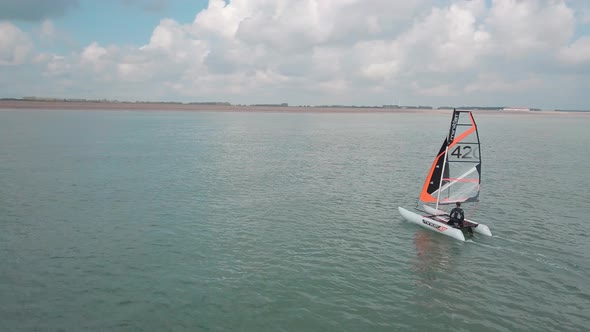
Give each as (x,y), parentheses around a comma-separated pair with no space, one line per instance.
(465,152)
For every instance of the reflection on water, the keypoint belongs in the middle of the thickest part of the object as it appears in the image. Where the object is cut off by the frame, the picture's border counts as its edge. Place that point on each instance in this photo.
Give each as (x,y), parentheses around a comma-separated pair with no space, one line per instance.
(433,256)
(436,264)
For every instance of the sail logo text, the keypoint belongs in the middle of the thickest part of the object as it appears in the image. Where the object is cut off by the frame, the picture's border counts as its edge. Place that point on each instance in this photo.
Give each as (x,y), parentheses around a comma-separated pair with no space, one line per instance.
(439,227)
(454,123)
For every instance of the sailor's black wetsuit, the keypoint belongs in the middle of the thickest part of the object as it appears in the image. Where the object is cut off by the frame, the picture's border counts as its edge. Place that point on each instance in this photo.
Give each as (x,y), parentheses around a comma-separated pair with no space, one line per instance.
(456,216)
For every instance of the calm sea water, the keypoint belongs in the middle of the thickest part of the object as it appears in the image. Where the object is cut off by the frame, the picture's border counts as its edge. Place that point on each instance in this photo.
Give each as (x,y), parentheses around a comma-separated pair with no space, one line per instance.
(171,221)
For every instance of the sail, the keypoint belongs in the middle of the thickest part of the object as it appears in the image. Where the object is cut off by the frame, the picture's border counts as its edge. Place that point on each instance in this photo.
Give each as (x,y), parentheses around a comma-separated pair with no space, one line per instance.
(455,174)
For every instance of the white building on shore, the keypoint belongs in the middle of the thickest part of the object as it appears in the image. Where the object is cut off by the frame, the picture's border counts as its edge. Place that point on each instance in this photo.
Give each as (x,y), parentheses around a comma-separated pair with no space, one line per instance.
(518,109)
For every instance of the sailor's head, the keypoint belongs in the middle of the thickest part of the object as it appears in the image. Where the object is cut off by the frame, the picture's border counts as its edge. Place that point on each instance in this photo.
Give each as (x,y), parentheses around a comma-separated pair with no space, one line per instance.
(458,204)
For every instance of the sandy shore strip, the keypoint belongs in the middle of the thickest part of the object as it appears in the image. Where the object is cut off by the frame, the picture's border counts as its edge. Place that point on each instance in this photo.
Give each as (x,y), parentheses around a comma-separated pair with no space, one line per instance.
(138,106)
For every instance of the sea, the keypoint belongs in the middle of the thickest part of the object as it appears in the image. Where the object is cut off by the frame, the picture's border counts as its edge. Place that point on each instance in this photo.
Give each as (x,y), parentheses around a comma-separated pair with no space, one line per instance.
(229,221)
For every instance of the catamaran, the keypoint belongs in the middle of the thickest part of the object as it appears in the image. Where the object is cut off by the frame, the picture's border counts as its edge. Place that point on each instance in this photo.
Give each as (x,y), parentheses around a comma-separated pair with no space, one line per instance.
(455,176)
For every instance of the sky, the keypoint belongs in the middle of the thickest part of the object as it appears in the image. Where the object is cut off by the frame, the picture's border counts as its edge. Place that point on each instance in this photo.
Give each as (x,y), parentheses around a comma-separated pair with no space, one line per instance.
(519,53)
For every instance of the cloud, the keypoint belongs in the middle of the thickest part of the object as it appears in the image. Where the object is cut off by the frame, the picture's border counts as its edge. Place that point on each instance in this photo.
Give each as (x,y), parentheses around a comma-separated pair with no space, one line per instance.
(337,51)
(47,32)
(576,53)
(582,10)
(494,83)
(448,39)
(521,27)
(34,10)
(15,45)
(436,91)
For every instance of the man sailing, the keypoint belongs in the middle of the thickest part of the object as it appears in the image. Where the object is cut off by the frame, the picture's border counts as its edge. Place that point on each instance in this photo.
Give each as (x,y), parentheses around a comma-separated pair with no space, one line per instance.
(457,216)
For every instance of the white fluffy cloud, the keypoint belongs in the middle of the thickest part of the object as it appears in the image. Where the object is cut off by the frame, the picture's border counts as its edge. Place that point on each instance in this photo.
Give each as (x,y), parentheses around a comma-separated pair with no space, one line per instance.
(336,51)
(522,27)
(15,44)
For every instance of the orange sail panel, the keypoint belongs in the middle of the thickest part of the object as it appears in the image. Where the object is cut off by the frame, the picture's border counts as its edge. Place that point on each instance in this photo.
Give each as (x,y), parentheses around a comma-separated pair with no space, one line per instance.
(432,182)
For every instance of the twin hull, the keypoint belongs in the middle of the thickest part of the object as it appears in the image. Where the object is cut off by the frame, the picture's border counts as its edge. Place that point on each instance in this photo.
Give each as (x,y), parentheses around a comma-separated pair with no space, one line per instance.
(481,228)
(440,227)
(432,224)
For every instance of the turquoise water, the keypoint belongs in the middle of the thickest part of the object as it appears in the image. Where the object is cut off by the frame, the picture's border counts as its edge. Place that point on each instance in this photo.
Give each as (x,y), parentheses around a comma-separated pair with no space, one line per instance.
(172,221)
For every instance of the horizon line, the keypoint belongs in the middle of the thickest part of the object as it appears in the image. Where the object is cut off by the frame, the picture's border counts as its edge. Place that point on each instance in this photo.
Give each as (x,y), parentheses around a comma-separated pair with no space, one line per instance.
(284,104)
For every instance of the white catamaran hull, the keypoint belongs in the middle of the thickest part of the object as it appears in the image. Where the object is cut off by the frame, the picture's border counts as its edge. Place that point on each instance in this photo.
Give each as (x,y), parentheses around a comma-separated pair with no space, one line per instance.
(481,228)
(432,224)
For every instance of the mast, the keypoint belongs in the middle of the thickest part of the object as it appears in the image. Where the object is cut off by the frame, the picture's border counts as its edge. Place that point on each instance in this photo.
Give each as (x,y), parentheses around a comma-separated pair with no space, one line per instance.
(450,138)
(442,176)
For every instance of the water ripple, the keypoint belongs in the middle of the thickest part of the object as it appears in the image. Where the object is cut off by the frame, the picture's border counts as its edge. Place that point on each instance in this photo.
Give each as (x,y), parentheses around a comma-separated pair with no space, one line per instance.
(282,222)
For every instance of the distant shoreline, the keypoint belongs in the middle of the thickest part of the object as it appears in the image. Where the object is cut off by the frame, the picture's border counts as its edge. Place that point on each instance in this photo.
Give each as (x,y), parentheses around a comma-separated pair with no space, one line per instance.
(140,106)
